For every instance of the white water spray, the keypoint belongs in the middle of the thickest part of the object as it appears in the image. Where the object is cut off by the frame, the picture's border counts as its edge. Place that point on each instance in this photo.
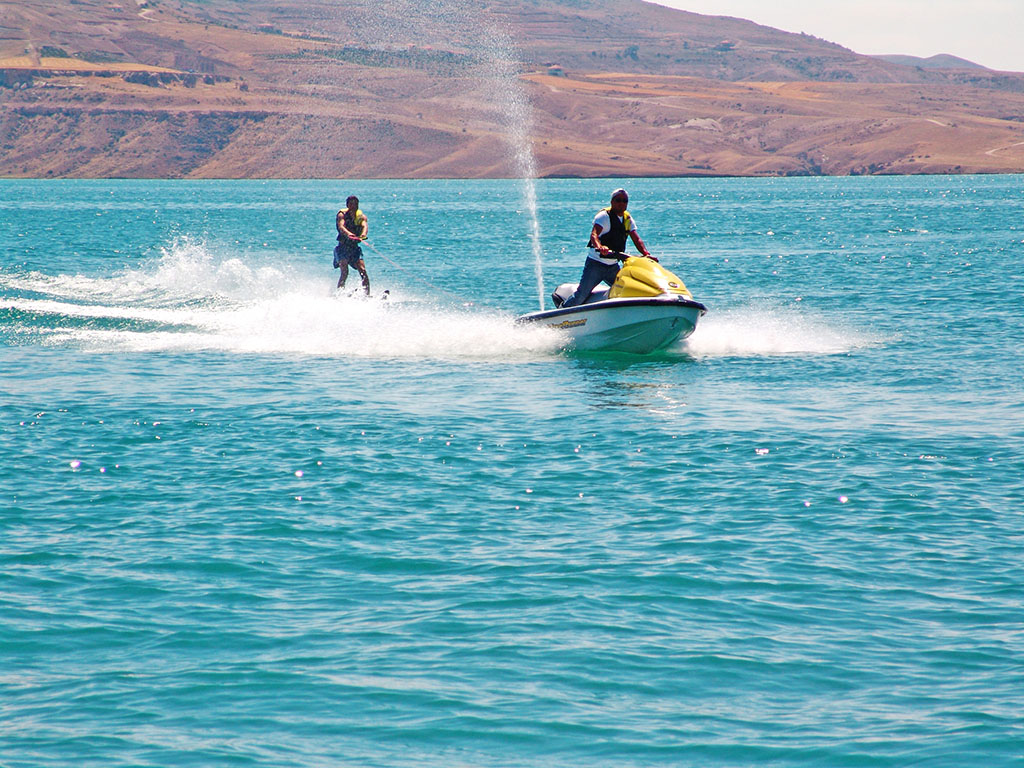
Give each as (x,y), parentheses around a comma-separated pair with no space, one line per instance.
(493,45)
(764,329)
(518,112)
(195,298)
(466,25)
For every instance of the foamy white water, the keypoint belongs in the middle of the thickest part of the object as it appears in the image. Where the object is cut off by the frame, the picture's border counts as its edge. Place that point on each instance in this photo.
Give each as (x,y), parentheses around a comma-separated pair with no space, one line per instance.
(762,329)
(194,298)
(202,301)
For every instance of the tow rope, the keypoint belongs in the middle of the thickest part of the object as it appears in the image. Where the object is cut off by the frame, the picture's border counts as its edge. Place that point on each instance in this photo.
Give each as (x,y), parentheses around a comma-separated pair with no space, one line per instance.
(416,278)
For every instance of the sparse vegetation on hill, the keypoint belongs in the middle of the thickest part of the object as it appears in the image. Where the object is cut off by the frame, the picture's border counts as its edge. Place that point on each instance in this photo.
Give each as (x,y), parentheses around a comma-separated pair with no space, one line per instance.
(319,88)
(438,62)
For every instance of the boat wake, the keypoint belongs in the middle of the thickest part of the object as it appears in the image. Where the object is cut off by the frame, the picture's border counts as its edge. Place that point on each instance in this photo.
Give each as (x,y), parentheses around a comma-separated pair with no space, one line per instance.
(192,299)
(763,330)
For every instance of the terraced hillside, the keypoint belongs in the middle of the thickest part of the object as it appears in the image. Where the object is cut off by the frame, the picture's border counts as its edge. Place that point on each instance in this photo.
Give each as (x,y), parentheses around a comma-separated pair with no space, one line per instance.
(306,88)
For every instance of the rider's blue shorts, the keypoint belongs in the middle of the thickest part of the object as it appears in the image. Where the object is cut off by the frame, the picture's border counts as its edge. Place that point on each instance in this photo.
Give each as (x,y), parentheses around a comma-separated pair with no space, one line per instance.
(347,252)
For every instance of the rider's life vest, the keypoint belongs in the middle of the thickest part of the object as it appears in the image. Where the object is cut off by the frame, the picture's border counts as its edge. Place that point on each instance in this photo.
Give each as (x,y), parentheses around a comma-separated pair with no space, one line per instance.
(615,237)
(355,227)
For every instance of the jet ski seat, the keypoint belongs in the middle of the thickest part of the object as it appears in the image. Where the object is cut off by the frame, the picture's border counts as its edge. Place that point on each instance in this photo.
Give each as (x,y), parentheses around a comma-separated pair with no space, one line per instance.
(565,290)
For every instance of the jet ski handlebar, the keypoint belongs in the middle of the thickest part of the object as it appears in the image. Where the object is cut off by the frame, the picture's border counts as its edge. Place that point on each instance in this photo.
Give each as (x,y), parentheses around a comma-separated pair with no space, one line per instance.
(623,256)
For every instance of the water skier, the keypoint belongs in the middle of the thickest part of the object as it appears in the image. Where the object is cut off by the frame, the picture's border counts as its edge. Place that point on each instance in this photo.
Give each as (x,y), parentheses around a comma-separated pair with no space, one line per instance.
(353,228)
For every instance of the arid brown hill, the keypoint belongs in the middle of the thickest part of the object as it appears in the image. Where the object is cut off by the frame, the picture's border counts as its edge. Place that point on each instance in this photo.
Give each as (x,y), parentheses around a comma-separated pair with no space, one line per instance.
(439,88)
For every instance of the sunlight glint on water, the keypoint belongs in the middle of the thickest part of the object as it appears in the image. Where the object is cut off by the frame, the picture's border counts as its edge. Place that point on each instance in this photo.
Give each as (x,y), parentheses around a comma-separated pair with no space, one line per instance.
(247,521)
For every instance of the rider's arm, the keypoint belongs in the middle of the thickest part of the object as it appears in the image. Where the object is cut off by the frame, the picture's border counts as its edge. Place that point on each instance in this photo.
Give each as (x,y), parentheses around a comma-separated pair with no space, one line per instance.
(640,245)
(595,241)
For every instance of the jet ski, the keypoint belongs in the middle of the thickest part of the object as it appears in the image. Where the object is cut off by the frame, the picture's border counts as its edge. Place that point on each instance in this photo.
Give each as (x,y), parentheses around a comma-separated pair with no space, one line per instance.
(647,309)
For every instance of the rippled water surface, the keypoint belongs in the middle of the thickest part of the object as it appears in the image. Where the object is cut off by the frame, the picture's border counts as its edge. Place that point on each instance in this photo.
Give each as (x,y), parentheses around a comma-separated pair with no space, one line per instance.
(245,521)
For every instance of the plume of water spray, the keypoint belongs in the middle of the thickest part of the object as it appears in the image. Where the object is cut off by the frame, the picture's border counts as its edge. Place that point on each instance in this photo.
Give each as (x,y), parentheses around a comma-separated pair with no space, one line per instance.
(472,27)
(518,113)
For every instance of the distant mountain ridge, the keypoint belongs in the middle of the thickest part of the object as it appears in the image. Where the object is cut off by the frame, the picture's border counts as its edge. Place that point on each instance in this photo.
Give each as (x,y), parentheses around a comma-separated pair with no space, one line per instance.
(311,88)
(939,61)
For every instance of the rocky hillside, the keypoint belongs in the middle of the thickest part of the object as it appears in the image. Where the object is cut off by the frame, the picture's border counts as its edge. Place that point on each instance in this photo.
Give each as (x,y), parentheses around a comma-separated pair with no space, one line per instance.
(436,88)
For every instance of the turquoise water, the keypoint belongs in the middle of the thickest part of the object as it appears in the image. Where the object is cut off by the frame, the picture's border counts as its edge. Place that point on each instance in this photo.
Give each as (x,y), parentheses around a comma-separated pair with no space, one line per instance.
(247,522)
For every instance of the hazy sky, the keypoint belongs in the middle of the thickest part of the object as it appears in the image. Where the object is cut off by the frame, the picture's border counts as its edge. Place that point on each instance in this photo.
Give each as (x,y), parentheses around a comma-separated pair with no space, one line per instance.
(987,32)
